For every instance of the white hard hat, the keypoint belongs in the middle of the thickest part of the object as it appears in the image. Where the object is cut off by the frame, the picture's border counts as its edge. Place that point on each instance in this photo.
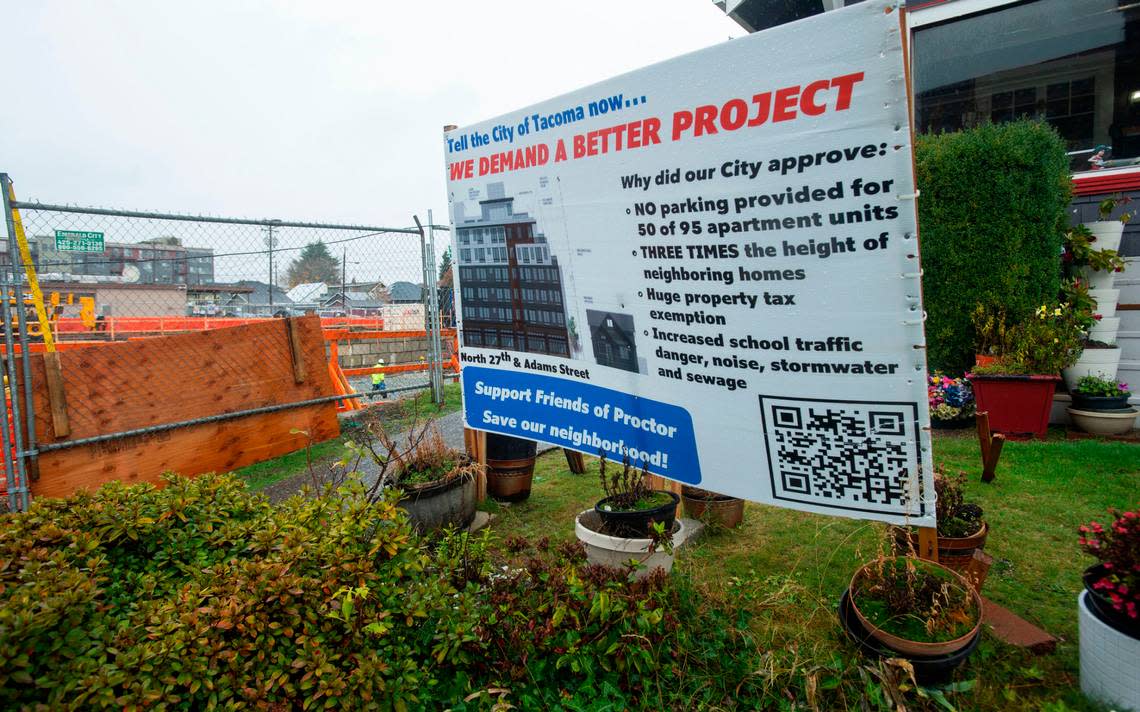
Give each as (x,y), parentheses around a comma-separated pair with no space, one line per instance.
(379,361)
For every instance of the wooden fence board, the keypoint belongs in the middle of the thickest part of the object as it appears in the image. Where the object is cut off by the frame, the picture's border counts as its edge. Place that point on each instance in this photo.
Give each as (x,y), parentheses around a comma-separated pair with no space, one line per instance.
(193,450)
(129,385)
(135,384)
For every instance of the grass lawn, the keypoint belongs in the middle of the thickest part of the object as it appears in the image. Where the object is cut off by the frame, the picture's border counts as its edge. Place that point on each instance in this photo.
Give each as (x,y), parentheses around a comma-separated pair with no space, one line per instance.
(788,569)
(395,415)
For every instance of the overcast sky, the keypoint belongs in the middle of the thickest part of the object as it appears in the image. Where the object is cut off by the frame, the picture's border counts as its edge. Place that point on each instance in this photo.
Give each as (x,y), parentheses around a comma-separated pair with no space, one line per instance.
(296,110)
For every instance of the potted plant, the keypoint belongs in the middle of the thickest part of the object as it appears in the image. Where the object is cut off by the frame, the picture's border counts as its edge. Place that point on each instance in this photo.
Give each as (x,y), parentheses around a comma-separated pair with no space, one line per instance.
(436,482)
(989,333)
(719,510)
(1095,393)
(1017,391)
(631,506)
(1107,230)
(632,524)
(1109,611)
(1099,355)
(914,607)
(951,401)
(1084,257)
(962,530)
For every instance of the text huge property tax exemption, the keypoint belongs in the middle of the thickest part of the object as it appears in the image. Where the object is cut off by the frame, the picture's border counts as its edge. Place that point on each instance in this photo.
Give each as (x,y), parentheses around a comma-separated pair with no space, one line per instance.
(710,265)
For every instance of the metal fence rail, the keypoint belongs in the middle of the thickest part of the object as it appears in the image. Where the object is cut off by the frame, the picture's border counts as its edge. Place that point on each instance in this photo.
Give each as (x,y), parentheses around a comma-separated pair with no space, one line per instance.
(108,276)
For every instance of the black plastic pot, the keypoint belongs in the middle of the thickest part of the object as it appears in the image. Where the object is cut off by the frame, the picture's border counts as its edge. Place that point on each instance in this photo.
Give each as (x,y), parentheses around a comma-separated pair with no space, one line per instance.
(1102,607)
(1081,402)
(927,670)
(635,524)
(956,424)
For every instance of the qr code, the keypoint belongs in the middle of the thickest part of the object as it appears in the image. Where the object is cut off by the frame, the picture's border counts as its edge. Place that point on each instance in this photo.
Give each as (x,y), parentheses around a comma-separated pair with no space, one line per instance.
(849,455)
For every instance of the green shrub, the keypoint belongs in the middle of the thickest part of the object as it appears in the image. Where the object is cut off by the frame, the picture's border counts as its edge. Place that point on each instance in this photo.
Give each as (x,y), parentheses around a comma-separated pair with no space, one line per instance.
(991,220)
(201,595)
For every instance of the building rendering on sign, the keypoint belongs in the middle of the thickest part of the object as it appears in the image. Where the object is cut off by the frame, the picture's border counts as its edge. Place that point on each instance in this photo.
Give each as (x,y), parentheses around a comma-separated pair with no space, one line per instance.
(512,286)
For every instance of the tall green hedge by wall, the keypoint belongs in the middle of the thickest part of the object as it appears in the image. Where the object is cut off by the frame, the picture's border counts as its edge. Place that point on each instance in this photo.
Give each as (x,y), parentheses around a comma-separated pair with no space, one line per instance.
(991,216)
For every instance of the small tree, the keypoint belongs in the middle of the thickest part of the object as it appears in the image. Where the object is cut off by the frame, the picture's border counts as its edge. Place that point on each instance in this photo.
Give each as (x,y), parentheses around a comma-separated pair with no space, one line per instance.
(445,262)
(314,264)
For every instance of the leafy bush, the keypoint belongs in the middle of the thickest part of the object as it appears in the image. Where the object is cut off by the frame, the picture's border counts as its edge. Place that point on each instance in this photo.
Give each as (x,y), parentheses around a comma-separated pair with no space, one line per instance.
(991,219)
(1048,341)
(201,595)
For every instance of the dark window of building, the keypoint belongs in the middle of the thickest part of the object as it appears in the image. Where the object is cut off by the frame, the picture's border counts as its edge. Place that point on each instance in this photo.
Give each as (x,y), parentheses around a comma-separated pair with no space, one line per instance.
(1075,65)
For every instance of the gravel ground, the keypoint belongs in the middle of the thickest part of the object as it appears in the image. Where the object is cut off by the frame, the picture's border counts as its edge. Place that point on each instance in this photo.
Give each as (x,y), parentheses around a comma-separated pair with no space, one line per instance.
(450,426)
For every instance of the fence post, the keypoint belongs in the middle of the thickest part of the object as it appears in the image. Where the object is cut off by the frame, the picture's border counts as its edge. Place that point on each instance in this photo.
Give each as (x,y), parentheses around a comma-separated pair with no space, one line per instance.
(435,319)
(18,491)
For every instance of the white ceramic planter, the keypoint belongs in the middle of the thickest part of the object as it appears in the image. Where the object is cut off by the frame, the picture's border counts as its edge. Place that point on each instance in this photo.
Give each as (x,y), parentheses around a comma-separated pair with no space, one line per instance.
(1107,234)
(1093,362)
(1105,330)
(1106,300)
(1097,280)
(616,551)
(1104,423)
(1110,660)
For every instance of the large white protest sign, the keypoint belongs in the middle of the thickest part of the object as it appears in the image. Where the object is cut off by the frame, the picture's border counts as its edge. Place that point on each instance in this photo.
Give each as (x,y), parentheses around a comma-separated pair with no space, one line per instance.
(710,265)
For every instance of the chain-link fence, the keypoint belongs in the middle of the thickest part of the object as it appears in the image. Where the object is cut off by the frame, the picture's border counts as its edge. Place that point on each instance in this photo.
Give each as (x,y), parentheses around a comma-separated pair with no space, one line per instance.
(109,277)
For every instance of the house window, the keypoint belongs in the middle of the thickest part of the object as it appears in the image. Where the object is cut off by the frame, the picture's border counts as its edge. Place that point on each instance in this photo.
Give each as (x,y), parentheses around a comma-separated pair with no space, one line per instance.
(1073,64)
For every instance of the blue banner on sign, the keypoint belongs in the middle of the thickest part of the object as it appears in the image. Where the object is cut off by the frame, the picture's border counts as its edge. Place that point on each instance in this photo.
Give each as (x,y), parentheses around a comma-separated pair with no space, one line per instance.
(583,417)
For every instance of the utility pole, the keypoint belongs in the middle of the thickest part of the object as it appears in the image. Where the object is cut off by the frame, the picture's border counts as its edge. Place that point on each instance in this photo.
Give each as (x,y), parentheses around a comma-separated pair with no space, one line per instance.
(270,242)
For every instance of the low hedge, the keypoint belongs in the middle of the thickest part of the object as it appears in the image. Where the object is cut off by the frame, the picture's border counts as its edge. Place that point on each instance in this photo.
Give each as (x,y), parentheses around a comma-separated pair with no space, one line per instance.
(992,215)
(201,595)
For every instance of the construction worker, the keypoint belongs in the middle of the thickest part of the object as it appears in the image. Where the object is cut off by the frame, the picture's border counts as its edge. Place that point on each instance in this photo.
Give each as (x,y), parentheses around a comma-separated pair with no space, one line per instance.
(378,386)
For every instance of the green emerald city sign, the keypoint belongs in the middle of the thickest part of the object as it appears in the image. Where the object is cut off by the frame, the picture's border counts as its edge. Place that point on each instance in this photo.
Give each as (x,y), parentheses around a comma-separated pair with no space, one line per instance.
(78,241)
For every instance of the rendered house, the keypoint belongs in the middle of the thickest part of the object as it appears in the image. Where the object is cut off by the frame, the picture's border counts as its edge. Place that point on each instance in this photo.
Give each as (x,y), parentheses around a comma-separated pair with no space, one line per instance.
(612,339)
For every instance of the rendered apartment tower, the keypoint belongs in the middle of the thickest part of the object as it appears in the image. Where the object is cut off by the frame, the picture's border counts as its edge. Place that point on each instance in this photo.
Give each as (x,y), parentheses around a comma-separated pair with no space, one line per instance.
(512,286)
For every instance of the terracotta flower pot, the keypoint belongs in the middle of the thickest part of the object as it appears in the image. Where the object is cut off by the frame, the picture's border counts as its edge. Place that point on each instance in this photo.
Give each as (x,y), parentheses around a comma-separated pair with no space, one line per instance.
(914,647)
(956,553)
(717,509)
